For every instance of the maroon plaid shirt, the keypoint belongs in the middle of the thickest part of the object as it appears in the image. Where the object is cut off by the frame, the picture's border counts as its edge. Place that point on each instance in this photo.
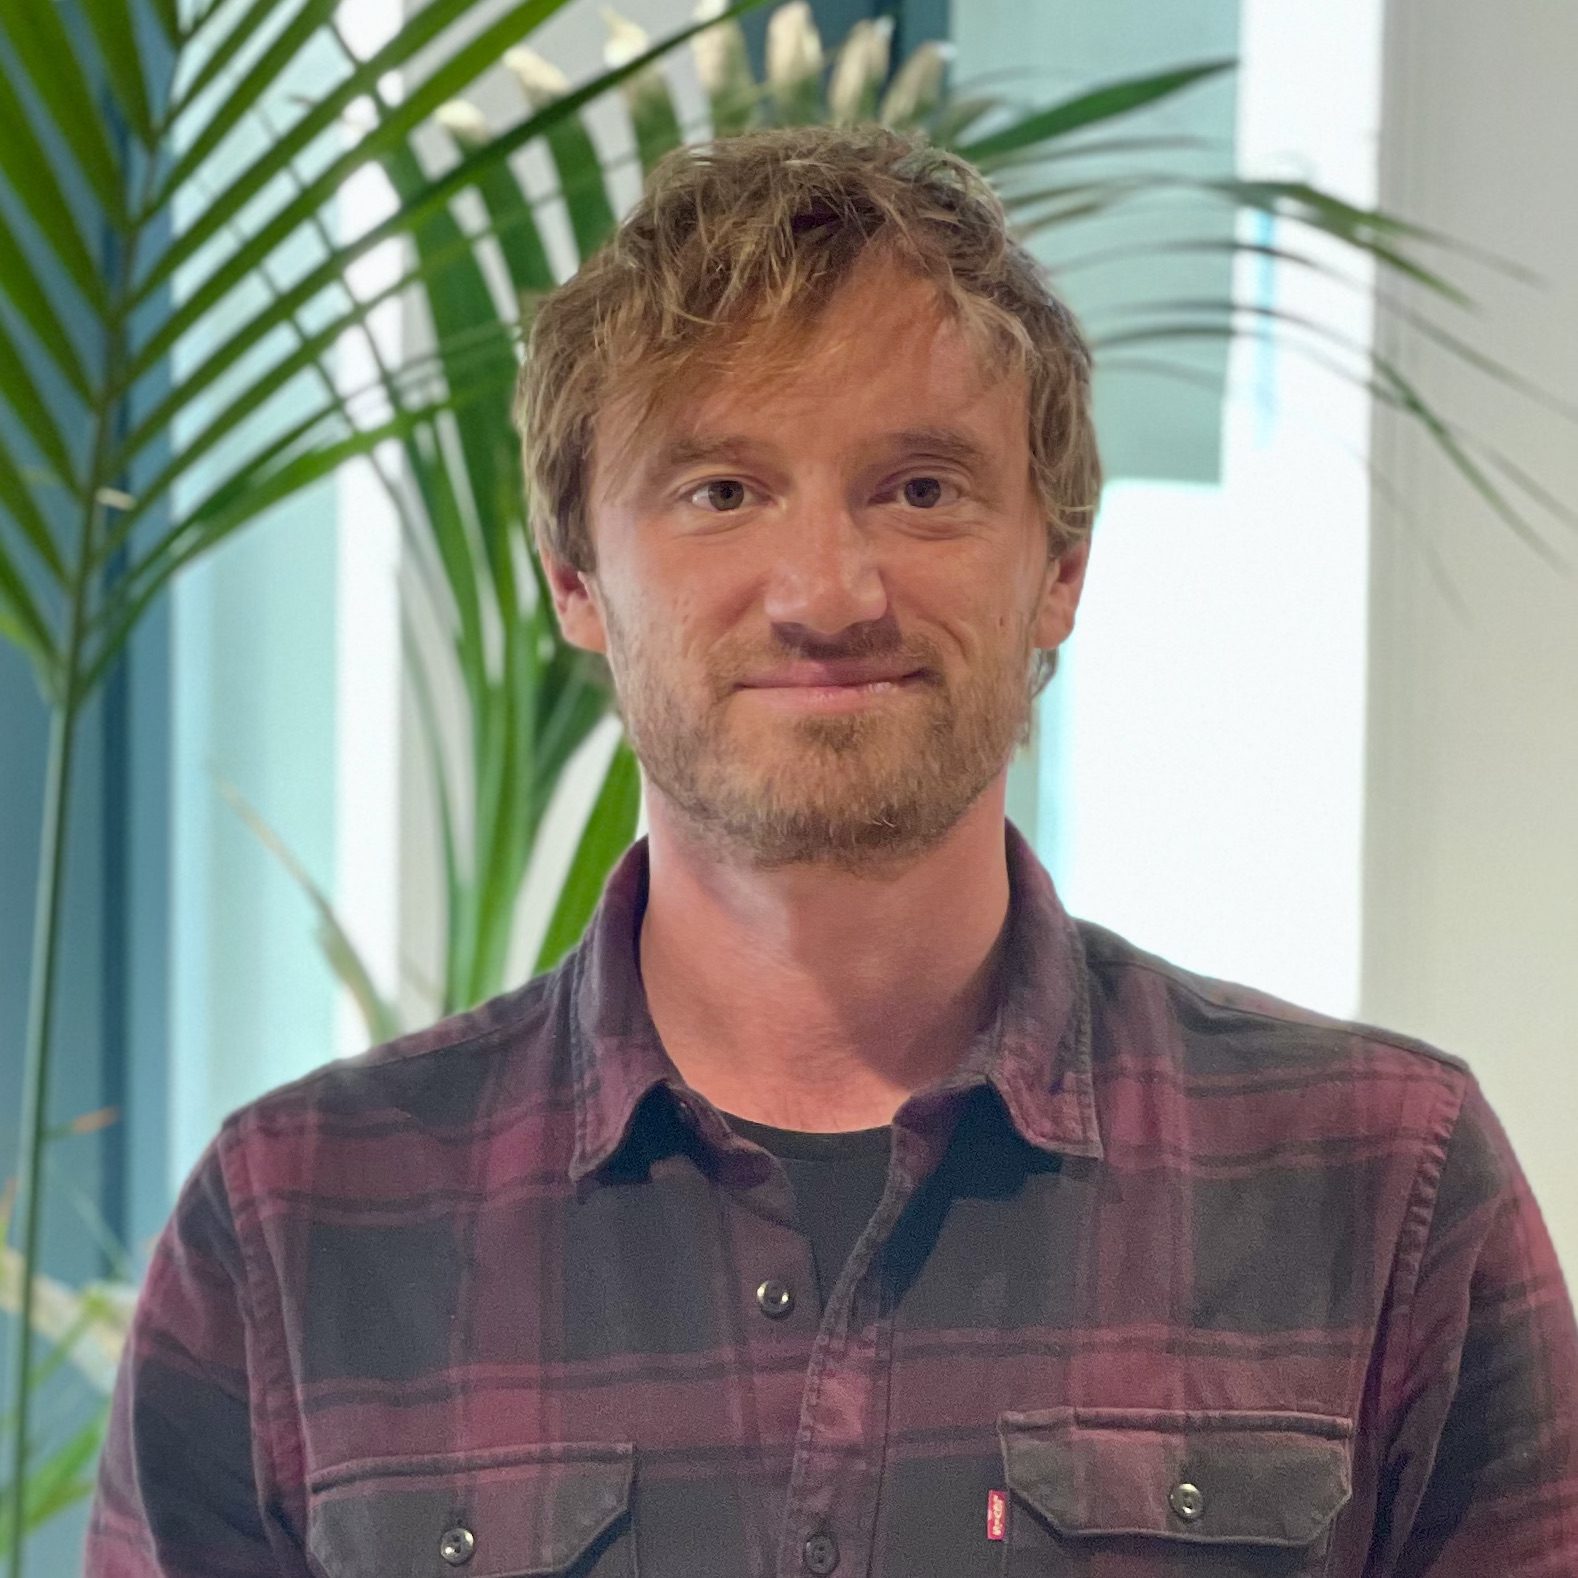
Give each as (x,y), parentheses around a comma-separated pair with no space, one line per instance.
(1169,1278)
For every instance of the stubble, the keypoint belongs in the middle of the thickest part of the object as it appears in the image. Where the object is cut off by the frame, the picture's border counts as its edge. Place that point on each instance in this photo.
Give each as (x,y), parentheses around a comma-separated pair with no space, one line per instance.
(858,791)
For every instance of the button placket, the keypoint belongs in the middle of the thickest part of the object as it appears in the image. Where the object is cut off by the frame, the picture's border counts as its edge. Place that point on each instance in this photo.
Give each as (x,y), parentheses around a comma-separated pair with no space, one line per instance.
(850,1347)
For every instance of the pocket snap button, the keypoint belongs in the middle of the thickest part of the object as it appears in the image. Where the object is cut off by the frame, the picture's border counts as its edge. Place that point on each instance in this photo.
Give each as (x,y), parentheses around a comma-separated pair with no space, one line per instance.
(774,1299)
(456,1545)
(1185,1499)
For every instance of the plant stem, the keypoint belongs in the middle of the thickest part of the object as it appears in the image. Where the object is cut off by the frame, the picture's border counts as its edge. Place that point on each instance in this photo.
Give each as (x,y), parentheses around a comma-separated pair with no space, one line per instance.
(46,935)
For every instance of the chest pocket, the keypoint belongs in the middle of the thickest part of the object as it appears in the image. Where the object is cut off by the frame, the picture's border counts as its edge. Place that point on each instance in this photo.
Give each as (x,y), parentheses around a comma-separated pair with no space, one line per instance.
(555,1511)
(1170,1494)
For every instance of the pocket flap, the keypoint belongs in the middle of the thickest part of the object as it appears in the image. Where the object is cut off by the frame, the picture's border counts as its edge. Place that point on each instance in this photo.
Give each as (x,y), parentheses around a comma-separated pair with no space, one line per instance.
(514,1513)
(1240,1478)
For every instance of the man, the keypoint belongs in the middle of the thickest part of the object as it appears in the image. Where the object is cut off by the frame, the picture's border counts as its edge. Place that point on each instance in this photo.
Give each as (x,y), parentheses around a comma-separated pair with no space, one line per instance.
(841,1205)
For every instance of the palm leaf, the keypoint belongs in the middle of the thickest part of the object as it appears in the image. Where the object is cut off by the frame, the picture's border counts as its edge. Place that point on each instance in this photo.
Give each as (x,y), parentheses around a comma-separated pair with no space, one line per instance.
(21,282)
(217,55)
(36,32)
(116,32)
(1388,302)
(608,832)
(329,274)
(570,147)
(512,219)
(1387,383)
(21,391)
(432,741)
(27,170)
(1089,109)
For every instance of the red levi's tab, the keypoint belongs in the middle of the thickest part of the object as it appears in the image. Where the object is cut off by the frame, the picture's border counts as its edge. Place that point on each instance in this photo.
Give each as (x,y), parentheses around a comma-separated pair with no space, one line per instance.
(996,1514)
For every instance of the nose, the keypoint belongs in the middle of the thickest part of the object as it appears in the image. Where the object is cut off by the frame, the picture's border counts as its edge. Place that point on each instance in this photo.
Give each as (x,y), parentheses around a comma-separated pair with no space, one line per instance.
(824,575)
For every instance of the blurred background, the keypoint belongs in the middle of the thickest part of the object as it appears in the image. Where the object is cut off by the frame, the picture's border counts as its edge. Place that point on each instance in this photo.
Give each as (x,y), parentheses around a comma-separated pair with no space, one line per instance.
(330,775)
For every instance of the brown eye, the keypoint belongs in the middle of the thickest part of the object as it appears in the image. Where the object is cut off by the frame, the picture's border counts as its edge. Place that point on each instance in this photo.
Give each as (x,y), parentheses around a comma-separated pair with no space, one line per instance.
(724,495)
(923,492)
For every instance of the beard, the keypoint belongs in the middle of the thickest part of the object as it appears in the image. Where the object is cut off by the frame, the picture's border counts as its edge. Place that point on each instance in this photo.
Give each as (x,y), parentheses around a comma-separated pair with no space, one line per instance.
(856,791)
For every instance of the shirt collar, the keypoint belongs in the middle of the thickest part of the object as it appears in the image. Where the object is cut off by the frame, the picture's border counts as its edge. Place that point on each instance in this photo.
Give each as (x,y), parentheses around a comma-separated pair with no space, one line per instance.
(1035,1052)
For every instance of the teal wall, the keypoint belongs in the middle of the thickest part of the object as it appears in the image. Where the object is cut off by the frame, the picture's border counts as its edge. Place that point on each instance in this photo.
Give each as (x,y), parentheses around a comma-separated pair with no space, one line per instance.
(253,704)
(1151,425)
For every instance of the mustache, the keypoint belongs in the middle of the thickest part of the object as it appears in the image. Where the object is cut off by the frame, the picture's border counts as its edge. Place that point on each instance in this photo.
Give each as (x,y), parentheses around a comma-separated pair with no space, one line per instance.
(877,639)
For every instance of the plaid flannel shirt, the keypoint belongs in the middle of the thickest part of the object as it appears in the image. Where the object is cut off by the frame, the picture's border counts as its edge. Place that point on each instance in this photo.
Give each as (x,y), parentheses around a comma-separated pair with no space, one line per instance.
(1169,1278)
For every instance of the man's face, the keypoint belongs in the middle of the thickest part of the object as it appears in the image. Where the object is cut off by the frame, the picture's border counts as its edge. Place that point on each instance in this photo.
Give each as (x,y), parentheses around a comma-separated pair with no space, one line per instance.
(820,599)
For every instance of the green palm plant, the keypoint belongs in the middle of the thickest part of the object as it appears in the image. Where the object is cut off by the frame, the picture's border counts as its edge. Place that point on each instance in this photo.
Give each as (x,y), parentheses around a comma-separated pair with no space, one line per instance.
(114,478)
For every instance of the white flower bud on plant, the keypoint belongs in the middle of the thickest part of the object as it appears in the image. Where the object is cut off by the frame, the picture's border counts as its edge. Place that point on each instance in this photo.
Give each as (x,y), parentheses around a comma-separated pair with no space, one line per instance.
(542,80)
(722,61)
(794,47)
(918,85)
(463,121)
(862,63)
(625,40)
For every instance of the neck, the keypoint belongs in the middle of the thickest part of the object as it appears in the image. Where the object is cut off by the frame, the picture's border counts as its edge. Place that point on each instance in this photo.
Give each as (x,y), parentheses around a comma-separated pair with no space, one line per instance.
(815,998)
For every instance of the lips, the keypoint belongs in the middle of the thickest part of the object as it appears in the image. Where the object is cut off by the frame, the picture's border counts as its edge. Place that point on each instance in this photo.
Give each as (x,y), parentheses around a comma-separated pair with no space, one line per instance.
(822,675)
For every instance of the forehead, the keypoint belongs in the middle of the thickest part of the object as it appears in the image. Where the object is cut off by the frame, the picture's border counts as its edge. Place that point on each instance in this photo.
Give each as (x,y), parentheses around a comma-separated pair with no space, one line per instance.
(885,358)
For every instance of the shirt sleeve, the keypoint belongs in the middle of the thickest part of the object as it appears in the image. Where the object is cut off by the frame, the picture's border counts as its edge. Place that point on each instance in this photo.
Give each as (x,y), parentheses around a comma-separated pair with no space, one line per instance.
(1483,1470)
(178,1486)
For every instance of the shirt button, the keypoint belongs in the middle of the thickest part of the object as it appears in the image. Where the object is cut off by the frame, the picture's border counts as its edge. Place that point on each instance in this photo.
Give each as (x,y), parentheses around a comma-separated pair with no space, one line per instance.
(456,1545)
(775,1300)
(821,1553)
(1185,1499)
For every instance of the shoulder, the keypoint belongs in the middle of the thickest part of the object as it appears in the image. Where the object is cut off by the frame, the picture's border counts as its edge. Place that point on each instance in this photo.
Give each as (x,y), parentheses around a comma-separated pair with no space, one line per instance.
(449,1080)
(1214,1025)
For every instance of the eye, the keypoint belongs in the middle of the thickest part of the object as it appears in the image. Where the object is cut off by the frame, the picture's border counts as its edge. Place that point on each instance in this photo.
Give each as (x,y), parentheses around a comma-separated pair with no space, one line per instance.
(922,493)
(721,495)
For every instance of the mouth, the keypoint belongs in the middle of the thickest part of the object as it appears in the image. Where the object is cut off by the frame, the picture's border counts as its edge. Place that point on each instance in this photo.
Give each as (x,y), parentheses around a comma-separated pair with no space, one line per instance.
(824,696)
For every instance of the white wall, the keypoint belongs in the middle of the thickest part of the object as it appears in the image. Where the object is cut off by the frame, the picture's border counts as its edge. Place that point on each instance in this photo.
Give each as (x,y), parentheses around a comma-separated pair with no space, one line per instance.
(1203,792)
(1471,849)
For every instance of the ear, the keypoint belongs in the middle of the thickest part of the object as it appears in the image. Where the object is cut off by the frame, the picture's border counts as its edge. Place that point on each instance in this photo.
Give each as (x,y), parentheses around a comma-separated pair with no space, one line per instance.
(1060,591)
(575,602)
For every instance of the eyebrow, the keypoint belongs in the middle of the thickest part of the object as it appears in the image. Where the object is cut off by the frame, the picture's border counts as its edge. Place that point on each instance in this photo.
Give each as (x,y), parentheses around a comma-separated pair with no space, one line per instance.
(940,443)
(943,443)
(680,453)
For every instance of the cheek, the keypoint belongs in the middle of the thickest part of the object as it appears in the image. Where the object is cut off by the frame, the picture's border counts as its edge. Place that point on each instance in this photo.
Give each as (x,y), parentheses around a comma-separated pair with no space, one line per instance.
(979,617)
(667,633)
(683,628)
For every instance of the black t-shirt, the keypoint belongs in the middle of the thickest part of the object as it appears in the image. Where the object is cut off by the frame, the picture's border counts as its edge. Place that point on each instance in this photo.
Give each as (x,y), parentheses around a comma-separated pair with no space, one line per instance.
(837,1181)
